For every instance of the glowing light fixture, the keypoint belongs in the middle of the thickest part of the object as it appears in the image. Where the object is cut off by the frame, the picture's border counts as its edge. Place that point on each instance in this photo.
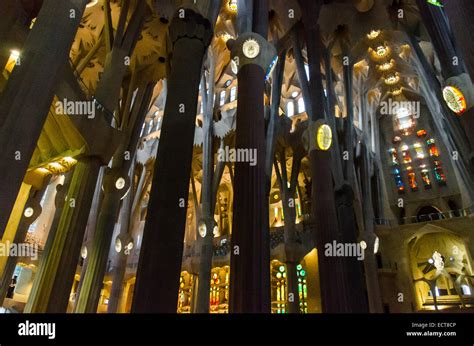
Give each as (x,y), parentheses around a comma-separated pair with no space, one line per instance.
(392,79)
(435,3)
(120,183)
(202,229)
(373,34)
(92,3)
(386,66)
(84,252)
(397,92)
(232,6)
(118,245)
(14,55)
(382,51)
(455,99)
(251,48)
(324,137)
(29,212)
(376,245)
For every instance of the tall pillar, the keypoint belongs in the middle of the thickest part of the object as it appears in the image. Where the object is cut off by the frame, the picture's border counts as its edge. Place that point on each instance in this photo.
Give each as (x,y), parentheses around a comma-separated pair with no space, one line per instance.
(32,85)
(30,214)
(250,254)
(334,288)
(453,67)
(159,267)
(115,185)
(55,275)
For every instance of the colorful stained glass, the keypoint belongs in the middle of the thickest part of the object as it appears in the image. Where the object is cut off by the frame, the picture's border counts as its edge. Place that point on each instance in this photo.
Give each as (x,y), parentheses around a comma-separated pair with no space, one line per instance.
(439,173)
(421,133)
(420,153)
(432,148)
(399,183)
(278,287)
(394,156)
(412,180)
(185,292)
(219,293)
(406,154)
(425,176)
(302,288)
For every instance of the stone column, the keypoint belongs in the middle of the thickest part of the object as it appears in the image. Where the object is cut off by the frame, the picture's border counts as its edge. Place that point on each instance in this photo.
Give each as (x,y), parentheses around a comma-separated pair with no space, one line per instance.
(33,84)
(159,267)
(334,288)
(250,249)
(31,212)
(453,67)
(55,275)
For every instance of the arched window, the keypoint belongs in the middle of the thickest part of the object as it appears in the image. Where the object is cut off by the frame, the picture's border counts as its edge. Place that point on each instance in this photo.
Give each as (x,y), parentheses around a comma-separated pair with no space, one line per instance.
(233,94)
(222,98)
(290,109)
(301,106)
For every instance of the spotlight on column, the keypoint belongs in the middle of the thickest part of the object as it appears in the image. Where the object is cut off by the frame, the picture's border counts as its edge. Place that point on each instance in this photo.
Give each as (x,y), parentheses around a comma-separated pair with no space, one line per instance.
(202,228)
(84,252)
(29,212)
(125,243)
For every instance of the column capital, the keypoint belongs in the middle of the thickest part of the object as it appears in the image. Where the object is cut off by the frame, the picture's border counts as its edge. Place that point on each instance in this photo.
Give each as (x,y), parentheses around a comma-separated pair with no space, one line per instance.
(251,48)
(190,24)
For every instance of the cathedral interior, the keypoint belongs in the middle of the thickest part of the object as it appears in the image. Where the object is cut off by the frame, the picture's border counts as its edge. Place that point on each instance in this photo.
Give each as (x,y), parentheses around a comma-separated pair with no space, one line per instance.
(229,156)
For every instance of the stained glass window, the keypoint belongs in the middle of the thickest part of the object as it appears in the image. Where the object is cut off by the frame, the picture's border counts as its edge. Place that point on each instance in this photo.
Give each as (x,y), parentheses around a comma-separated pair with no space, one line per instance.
(399,183)
(432,148)
(185,292)
(439,173)
(406,154)
(394,156)
(219,295)
(302,288)
(421,133)
(425,176)
(278,284)
(420,153)
(412,179)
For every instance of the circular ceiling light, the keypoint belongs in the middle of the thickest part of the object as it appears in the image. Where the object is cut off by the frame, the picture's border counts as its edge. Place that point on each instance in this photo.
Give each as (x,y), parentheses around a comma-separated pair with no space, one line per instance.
(251,48)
